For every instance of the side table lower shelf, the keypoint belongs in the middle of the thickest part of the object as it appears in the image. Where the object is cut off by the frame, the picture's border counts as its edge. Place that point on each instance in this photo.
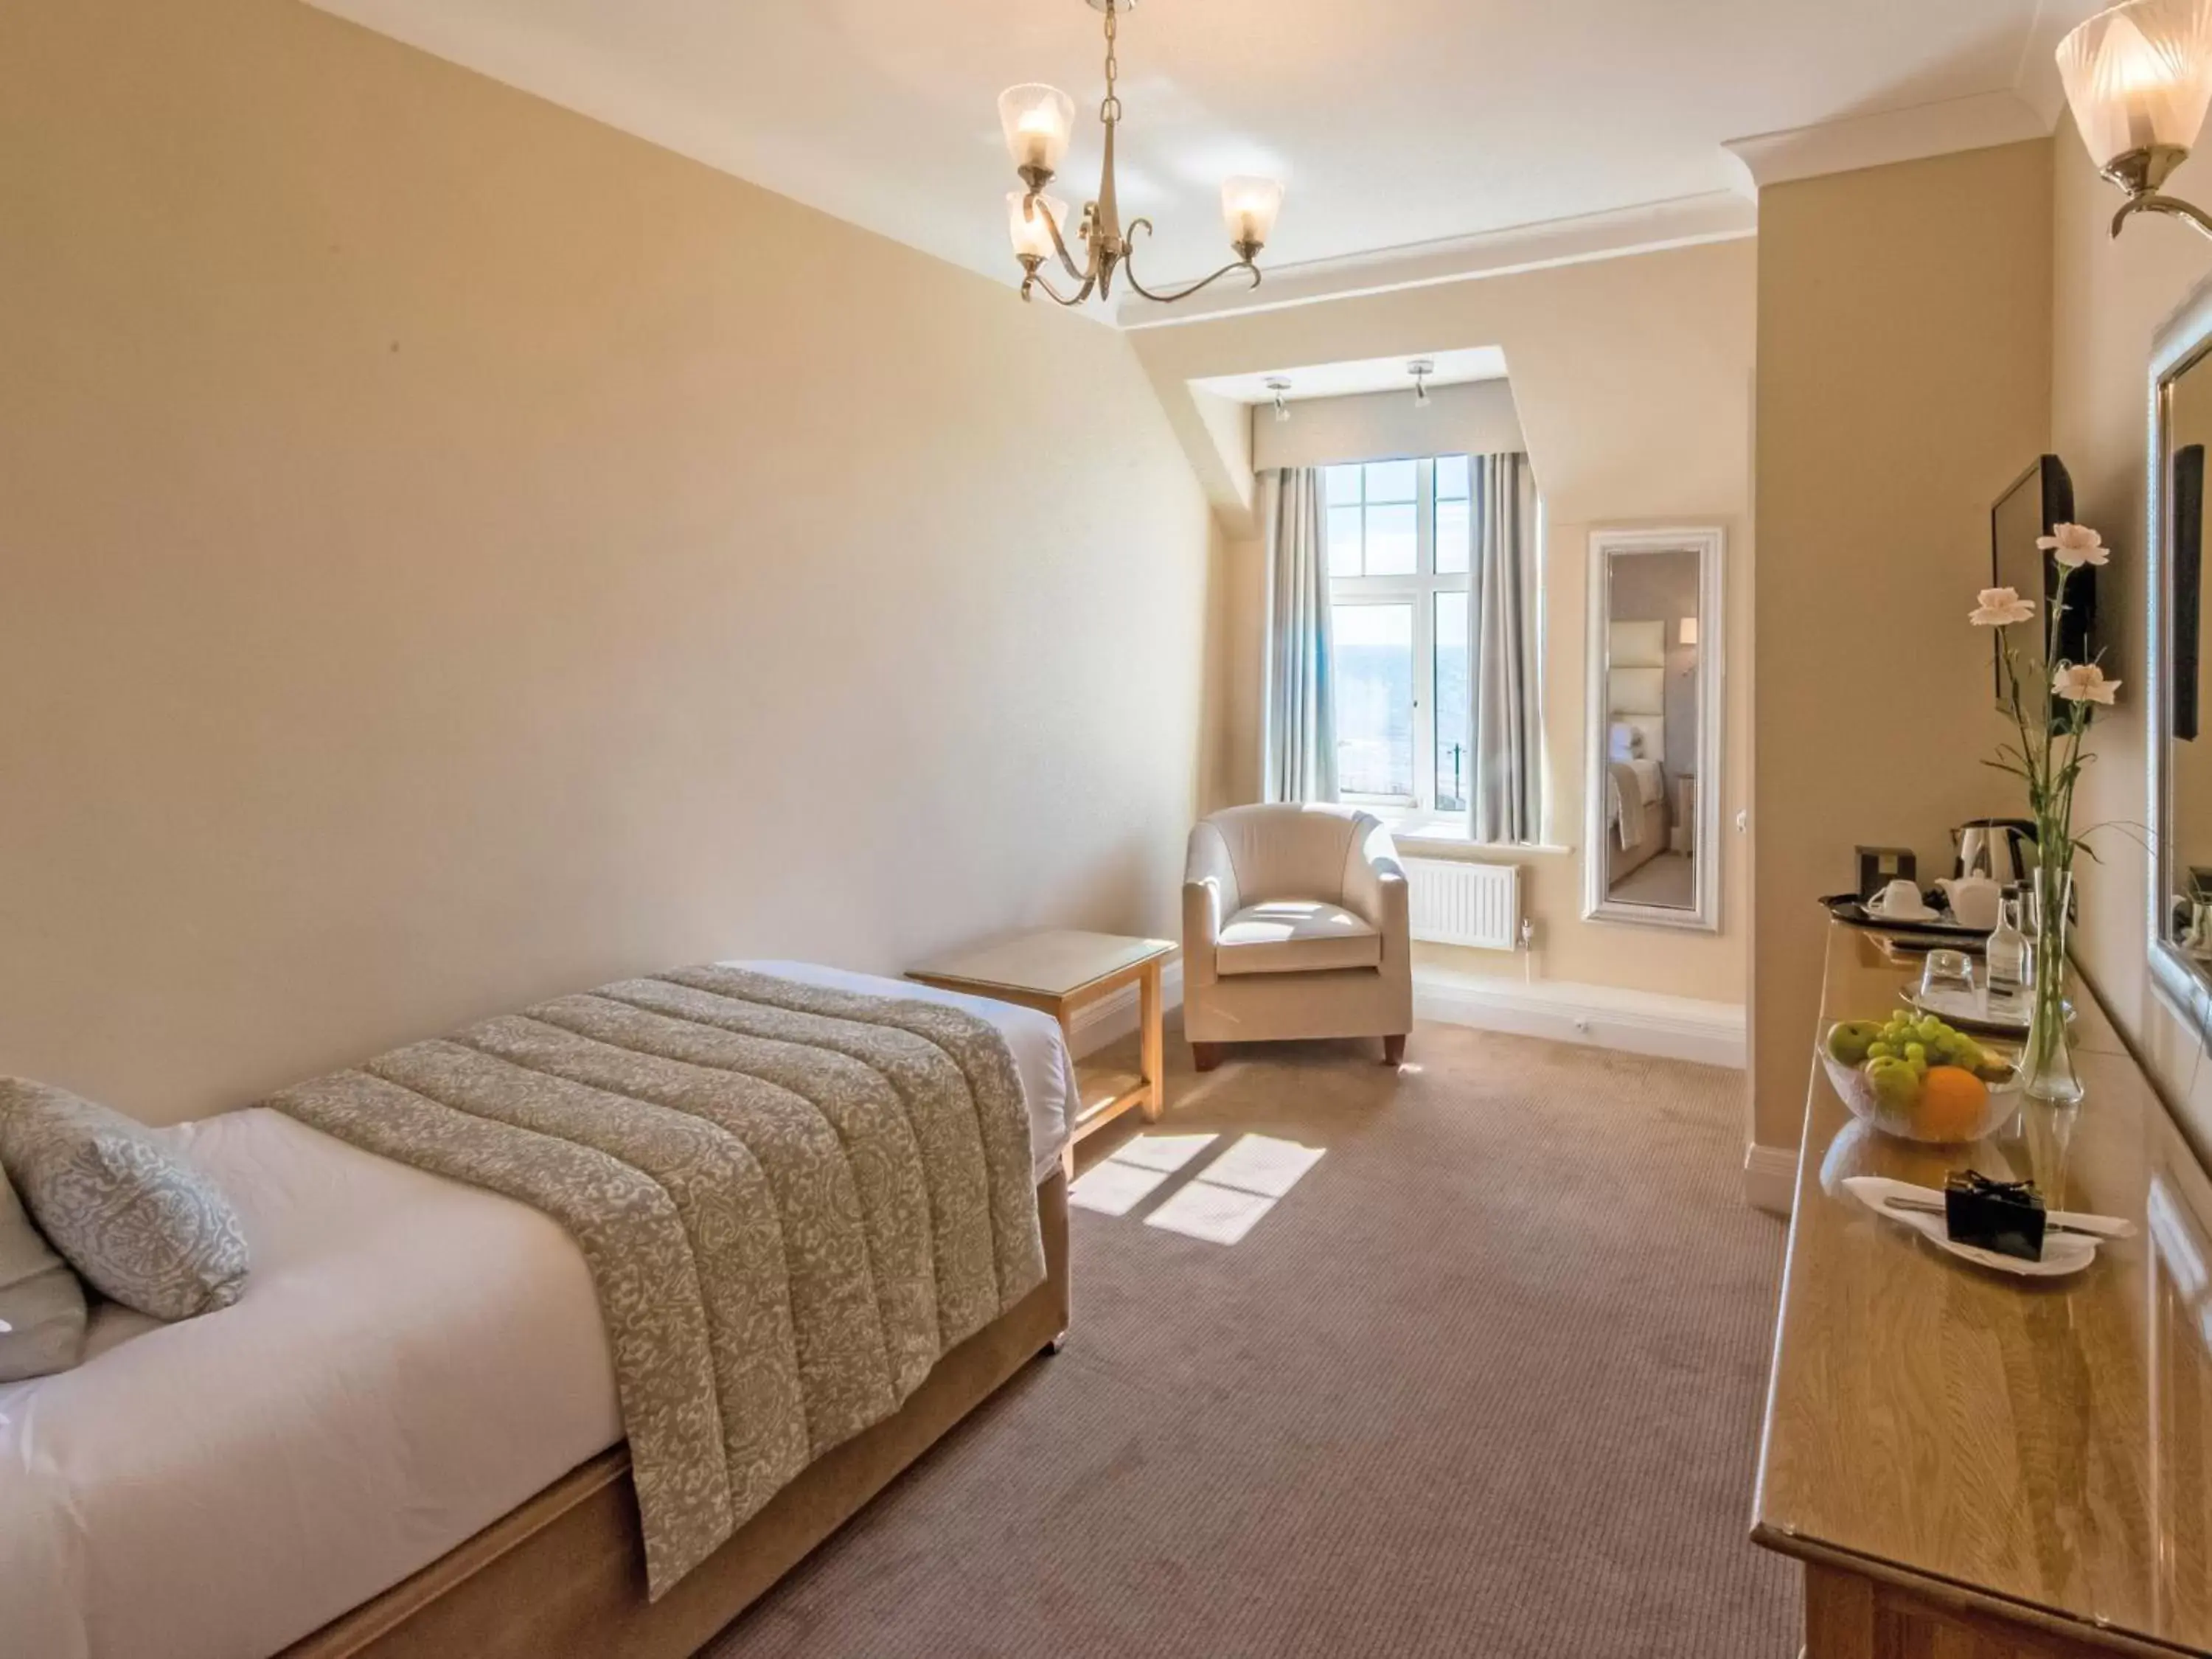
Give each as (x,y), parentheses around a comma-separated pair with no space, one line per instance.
(1062,973)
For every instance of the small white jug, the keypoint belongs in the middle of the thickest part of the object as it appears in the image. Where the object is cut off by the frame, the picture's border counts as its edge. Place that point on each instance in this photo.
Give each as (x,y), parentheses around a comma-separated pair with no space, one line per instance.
(1974,901)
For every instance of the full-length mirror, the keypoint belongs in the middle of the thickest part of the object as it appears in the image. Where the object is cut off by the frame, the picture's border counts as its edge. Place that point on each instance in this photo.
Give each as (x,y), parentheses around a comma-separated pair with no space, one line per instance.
(1652,790)
(2181,725)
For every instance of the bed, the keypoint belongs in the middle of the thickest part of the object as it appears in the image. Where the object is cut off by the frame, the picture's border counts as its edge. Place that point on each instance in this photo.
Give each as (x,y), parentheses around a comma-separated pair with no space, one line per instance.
(1638,821)
(406,1439)
(1638,825)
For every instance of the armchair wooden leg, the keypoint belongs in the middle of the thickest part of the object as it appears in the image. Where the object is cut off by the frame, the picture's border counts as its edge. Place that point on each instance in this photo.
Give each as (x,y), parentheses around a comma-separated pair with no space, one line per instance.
(1394,1050)
(1205,1056)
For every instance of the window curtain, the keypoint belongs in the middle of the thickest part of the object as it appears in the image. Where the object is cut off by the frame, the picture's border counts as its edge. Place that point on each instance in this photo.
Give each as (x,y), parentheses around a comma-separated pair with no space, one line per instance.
(1502,802)
(1297,719)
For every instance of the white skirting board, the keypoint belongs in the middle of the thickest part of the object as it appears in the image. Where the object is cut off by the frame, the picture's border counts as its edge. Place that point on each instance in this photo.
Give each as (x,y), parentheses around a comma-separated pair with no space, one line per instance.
(1601,1015)
(1636,1022)
(1770,1178)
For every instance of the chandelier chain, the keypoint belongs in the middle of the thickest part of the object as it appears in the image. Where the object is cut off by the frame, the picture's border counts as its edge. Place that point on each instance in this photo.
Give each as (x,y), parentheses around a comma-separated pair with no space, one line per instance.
(1111,109)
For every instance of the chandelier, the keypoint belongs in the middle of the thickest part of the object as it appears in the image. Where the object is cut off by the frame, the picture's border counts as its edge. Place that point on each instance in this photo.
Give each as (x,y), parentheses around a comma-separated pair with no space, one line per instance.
(1038,121)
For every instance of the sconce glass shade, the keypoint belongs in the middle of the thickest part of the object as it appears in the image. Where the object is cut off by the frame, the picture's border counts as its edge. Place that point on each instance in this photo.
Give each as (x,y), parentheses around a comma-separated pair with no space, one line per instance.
(2139,77)
(1249,207)
(1689,630)
(1032,235)
(1036,120)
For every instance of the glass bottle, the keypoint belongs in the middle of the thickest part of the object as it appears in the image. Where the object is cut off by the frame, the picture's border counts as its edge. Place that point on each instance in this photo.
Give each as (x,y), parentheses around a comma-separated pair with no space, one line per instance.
(2007,953)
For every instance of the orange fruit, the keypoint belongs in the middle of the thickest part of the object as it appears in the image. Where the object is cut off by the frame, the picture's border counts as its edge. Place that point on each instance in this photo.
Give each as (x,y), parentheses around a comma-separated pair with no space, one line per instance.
(1952,1102)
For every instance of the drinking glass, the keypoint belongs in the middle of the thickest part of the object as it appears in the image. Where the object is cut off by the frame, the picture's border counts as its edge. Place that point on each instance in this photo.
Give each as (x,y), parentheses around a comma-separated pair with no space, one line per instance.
(1947,974)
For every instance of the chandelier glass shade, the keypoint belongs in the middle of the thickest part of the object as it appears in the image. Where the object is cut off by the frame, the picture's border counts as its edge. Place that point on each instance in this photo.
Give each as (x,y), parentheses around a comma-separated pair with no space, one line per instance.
(1038,122)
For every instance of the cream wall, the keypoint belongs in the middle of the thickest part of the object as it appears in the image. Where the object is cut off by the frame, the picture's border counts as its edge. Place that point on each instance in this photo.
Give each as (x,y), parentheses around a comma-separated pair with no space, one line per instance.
(2109,298)
(456,553)
(1904,379)
(1632,379)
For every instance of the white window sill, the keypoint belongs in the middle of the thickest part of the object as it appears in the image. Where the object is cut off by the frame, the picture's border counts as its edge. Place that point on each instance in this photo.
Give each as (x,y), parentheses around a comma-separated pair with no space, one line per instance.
(1446,836)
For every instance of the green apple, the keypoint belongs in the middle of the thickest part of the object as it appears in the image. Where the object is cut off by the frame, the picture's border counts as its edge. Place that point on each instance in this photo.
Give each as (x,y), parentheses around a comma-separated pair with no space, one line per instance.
(1895,1082)
(1851,1042)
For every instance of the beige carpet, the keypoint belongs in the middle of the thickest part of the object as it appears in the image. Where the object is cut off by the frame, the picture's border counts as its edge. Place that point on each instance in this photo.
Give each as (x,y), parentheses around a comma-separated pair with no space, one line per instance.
(1670,878)
(1484,1379)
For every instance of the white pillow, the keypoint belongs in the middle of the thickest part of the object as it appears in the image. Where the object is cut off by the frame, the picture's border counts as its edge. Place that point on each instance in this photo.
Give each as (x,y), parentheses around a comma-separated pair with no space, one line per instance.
(1625,742)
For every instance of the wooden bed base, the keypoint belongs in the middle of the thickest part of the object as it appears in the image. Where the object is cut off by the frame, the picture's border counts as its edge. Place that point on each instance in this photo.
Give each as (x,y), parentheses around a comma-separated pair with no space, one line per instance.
(565,1573)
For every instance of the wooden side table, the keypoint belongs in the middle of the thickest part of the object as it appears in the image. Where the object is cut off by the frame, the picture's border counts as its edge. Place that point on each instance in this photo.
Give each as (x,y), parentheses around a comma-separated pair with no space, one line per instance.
(1062,972)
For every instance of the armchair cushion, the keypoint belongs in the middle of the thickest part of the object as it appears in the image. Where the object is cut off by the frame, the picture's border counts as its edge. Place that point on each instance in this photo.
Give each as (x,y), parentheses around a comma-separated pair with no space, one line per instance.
(1296,936)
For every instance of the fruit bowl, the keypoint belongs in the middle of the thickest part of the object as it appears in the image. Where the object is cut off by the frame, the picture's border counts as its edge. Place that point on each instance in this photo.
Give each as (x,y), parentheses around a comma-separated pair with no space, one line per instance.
(1918,1079)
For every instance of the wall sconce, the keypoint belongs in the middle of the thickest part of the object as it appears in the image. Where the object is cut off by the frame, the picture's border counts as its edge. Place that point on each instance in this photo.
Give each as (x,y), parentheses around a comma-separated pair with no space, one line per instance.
(1420,368)
(1689,630)
(2139,78)
(1279,387)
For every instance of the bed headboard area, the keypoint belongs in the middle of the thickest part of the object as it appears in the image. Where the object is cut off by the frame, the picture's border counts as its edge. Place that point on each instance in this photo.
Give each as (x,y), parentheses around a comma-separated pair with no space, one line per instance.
(1636,688)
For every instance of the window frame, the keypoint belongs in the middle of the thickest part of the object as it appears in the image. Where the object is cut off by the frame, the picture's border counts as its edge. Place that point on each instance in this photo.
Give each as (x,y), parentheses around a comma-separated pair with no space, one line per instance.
(1419,588)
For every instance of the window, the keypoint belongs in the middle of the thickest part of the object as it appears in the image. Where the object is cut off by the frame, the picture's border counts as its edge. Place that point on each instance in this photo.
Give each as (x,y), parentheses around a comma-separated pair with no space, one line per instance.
(1398,549)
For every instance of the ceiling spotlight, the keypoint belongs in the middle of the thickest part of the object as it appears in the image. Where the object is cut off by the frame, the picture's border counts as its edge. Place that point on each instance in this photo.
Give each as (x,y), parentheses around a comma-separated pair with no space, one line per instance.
(1420,368)
(1277,384)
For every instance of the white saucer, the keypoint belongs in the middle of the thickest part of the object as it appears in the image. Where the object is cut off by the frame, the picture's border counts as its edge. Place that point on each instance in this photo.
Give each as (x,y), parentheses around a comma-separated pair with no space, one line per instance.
(2063,1253)
(1922,914)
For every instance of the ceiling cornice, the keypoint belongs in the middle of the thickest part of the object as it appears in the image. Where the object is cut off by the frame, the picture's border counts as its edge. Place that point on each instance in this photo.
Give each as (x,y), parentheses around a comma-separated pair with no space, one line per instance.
(2030,108)
(1978,121)
(1720,217)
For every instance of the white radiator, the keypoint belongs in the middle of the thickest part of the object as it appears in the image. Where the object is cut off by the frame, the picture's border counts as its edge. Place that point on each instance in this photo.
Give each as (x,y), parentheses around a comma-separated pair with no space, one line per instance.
(1458,903)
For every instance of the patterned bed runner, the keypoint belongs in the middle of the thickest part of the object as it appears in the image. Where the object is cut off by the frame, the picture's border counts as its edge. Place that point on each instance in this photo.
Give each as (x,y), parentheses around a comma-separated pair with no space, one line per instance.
(792,1200)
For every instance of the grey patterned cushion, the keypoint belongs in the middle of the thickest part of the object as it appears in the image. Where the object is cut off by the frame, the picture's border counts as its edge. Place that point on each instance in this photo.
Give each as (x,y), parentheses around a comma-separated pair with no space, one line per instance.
(144,1227)
(41,1304)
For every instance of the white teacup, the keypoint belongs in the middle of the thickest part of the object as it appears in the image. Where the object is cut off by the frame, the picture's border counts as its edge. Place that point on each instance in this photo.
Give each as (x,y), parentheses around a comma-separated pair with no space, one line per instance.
(1899,902)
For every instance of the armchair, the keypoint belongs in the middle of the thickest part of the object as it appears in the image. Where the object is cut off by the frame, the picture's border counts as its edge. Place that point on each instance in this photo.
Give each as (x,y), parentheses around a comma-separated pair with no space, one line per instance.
(1294,925)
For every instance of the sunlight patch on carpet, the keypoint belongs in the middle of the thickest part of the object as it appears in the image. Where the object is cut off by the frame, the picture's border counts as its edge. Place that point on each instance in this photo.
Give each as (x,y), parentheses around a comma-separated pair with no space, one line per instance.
(1133,1172)
(1226,1199)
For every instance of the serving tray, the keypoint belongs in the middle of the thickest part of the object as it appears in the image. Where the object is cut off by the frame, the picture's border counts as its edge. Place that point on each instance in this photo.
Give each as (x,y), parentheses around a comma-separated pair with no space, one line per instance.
(1846,907)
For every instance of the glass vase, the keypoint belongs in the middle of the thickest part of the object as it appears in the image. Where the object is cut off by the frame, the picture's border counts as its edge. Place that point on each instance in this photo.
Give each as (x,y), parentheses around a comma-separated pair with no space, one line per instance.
(2047,1063)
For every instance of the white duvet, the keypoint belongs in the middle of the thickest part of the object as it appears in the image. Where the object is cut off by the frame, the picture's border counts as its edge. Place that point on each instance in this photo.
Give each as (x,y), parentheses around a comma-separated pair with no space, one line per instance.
(412,1359)
(1626,809)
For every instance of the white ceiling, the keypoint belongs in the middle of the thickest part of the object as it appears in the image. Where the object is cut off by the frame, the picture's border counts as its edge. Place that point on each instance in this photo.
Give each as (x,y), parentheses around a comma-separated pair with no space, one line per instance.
(1404,122)
(1349,379)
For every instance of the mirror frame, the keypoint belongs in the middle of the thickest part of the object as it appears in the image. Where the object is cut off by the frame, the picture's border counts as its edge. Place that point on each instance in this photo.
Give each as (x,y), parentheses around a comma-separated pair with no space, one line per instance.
(1710,543)
(2183,341)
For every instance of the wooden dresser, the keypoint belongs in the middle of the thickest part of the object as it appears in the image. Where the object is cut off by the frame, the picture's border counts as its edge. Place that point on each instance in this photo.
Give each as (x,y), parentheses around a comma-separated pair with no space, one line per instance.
(1973,1467)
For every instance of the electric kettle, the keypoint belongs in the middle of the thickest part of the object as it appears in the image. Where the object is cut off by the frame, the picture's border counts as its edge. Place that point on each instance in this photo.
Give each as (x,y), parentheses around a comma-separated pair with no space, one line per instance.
(1996,848)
